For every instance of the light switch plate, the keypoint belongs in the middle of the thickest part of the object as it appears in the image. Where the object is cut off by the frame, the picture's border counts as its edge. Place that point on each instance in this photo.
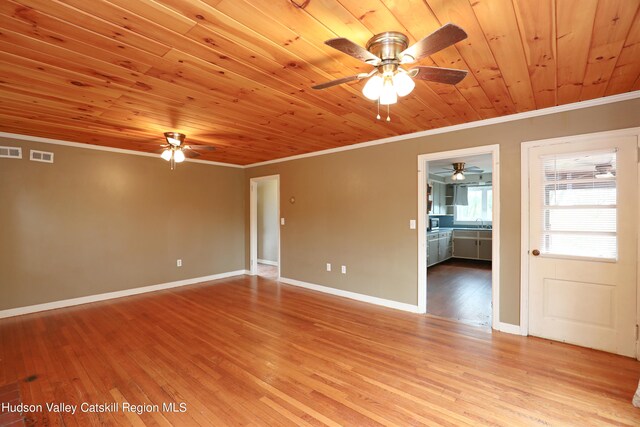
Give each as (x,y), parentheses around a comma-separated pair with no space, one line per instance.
(412,224)
(344,269)
(328,267)
(281,221)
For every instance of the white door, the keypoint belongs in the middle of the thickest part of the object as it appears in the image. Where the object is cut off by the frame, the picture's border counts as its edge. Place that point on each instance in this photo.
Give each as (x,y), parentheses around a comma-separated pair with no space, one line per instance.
(583,201)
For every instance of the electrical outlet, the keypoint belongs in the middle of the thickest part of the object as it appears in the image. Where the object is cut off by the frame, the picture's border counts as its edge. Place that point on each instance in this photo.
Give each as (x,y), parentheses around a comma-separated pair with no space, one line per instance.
(344,269)
(179,263)
(281,221)
(412,224)
(328,267)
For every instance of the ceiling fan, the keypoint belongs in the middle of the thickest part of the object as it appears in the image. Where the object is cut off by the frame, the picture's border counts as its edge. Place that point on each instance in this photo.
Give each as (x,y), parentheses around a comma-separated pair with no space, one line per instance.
(459,169)
(387,52)
(175,150)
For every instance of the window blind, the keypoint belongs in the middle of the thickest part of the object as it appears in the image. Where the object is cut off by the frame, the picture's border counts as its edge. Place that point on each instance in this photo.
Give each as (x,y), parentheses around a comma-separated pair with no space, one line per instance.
(579,205)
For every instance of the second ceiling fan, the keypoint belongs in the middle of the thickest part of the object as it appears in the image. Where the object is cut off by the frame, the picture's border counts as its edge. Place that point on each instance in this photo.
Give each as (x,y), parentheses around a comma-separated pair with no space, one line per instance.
(387,52)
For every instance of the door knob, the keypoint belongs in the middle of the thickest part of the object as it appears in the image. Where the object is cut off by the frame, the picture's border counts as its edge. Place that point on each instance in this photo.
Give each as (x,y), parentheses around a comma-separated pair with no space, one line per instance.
(535,252)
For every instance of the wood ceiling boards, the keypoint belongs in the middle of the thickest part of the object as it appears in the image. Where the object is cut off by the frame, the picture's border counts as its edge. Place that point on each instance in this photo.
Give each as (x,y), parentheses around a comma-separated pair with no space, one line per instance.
(237,74)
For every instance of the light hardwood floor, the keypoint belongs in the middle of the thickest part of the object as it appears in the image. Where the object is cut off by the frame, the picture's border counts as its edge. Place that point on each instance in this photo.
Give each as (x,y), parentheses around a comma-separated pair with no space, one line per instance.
(247,350)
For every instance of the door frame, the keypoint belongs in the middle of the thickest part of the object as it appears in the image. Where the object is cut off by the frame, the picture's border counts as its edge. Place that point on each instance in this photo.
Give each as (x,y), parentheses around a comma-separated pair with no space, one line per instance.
(423,174)
(253,222)
(525,148)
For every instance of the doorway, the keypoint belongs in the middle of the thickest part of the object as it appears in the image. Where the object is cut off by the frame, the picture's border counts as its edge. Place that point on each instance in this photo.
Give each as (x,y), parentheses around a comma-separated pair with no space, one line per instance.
(459,232)
(581,228)
(265,226)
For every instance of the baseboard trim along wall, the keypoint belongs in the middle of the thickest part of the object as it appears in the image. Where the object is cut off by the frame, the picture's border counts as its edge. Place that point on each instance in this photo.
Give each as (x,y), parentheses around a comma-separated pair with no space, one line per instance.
(352,295)
(117,294)
(509,328)
(267,262)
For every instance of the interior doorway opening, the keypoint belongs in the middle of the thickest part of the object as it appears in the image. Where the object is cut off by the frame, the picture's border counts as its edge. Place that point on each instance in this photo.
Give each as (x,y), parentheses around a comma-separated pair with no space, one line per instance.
(459,235)
(265,226)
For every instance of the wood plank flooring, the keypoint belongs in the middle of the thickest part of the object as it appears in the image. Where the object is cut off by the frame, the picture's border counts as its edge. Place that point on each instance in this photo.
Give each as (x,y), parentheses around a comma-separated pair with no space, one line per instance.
(460,289)
(250,351)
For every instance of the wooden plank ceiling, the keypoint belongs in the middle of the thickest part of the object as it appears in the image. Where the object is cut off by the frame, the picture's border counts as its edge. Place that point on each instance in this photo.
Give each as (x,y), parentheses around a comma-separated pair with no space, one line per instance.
(236,74)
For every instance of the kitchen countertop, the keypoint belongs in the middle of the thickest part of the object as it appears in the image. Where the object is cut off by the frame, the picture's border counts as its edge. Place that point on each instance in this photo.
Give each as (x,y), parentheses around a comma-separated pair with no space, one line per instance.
(441,229)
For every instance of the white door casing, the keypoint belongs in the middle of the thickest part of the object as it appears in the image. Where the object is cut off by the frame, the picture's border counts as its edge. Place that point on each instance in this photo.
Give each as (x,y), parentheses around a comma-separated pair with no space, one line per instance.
(588,301)
(253,223)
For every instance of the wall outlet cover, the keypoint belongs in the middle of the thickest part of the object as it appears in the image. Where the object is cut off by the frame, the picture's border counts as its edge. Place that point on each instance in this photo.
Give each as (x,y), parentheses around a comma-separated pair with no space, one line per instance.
(328,267)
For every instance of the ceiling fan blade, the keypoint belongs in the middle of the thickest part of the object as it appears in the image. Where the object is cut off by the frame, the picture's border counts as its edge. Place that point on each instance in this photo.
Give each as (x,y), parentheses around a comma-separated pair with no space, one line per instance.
(191,154)
(339,81)
(474,168)
(439,75)
(200,147)
(353,49)
(441,38)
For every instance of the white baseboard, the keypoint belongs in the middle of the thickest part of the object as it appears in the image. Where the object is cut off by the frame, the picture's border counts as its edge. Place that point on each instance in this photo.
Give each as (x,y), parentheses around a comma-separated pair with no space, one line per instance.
(267,262)
(117,294)
(508,328)
(353,295)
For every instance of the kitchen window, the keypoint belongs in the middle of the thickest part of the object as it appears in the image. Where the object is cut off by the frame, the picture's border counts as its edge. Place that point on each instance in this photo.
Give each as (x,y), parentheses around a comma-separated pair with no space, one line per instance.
(479,206)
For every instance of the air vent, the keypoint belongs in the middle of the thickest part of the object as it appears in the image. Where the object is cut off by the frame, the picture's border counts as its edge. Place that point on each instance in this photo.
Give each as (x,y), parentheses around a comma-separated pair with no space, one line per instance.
(11,152)
(41,156)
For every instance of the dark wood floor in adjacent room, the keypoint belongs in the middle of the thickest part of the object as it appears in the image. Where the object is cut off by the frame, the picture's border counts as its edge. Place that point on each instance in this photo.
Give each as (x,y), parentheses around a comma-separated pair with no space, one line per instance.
(250,351)
(460,289)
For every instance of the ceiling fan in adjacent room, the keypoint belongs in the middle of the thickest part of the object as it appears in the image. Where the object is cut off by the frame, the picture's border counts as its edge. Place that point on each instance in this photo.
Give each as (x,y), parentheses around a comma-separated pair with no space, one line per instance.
(175,150)
(459,170)
(387,52)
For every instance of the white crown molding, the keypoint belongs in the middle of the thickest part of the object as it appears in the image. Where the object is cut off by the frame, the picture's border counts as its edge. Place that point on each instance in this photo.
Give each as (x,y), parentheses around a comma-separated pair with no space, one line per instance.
(117,294)
(486,122)
(352,295)
(103,148)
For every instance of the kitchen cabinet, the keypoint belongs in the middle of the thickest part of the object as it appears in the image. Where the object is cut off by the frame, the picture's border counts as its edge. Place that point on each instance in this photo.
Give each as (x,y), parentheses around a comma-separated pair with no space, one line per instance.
(472,244)
(437,196)
(439,247)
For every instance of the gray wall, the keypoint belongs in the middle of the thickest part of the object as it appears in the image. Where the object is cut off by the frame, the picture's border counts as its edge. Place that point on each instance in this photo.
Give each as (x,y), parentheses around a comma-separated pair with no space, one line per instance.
(353,207)
(268,222)
(96,222)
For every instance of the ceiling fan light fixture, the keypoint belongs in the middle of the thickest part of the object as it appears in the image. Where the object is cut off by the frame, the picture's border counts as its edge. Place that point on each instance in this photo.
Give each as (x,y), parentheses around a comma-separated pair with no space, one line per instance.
(388,95)
(458,176)
(373,88)
(403,83)
(178,156)
(166,154)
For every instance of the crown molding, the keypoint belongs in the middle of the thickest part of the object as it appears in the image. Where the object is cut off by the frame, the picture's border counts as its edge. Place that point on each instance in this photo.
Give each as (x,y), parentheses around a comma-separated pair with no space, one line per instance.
(486,122)
(103,148)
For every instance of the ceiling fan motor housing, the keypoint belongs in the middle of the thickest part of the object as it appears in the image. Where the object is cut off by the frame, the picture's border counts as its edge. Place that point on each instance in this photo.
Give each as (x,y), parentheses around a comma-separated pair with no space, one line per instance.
(387,46)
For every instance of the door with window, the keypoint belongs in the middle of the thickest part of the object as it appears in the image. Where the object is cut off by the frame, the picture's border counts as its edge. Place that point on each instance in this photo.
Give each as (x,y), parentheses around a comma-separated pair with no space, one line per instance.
(583,201)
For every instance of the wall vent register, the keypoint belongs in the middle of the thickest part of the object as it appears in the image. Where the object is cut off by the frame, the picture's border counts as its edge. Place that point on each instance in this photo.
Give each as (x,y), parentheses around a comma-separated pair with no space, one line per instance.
(41,156)
(11,152)
(579,209)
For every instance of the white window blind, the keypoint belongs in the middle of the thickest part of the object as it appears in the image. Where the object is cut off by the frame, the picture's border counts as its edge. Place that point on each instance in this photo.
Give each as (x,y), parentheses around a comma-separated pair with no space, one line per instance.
(579,205)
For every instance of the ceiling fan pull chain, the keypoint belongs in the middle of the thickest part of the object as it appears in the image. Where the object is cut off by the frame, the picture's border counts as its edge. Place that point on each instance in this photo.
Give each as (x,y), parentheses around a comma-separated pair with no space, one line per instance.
(378,116)
(388,116)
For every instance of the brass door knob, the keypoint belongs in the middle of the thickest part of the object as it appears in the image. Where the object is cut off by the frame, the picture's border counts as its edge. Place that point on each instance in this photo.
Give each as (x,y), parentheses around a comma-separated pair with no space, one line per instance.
(535,252)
